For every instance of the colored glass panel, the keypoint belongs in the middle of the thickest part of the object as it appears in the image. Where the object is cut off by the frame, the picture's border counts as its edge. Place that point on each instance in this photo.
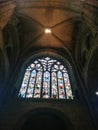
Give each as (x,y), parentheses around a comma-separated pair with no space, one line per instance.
(46,78)
(61,86)
(37,92)
(68,86)
(54,91)
(46,85)
(24,84)
(30,88)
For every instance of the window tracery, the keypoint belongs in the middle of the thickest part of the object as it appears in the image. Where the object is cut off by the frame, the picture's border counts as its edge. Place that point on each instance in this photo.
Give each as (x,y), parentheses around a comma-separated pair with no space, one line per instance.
(46,78)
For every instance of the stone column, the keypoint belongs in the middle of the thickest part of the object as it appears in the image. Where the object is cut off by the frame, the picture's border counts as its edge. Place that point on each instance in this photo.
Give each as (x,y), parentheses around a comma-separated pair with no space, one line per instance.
(6,11)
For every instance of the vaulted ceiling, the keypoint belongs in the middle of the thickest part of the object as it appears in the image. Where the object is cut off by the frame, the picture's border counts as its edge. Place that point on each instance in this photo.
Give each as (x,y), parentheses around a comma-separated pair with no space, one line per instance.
(62,16)
(59,15)
(72,22)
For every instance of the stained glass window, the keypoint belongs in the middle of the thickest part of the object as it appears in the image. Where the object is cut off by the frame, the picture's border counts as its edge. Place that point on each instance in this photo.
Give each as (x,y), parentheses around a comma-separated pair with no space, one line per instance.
(46,78)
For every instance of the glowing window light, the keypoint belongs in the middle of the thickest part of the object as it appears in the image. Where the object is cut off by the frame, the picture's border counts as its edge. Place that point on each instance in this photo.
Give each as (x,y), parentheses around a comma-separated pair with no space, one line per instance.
(46,78)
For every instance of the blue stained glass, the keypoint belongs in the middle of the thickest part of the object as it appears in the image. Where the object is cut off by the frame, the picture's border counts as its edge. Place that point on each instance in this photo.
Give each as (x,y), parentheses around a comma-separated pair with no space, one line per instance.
(46,78)
(37,93)
(61,86)
(68,86)
(46,85)
(24,84)
(31,84)
(54,91)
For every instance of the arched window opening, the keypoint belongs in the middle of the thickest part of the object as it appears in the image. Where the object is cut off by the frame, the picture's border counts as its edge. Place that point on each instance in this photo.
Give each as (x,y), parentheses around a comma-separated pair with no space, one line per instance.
(46,78)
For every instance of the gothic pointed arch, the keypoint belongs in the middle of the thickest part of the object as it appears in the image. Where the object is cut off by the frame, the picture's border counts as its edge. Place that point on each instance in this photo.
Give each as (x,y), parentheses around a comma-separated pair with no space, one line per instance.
(47,76)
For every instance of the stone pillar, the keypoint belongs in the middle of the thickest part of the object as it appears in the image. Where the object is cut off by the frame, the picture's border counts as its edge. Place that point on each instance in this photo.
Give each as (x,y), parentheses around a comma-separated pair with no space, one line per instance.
(6,11)
(3,68)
